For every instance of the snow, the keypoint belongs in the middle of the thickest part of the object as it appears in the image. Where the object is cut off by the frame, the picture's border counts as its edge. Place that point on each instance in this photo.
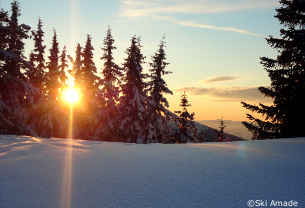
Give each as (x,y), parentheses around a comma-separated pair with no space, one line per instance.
(105,174)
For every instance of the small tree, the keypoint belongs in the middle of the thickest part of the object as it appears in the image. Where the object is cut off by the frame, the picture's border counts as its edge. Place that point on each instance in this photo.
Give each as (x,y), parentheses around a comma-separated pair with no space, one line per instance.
(220,134)
(186,130)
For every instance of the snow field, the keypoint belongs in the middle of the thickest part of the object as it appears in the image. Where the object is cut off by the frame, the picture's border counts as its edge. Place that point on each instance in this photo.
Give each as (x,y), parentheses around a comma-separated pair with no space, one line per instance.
(108,174)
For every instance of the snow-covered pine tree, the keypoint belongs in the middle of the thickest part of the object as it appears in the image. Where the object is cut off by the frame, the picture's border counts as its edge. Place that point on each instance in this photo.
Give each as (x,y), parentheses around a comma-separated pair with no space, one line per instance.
(52,121)
(89,81)
(15,90)
(36,73)
(105,126)
(133,115)
(186,131)
(160,115)
(286,117)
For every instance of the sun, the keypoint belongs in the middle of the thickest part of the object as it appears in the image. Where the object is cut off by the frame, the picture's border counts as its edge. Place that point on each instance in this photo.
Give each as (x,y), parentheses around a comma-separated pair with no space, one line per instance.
(71,95)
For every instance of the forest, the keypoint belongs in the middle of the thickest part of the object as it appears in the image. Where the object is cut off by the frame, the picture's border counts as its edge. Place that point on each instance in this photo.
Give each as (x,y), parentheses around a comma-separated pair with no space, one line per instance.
(121,104)
(124,104)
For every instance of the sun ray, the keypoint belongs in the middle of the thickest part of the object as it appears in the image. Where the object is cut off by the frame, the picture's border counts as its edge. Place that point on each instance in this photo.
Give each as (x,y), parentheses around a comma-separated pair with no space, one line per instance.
(71,96)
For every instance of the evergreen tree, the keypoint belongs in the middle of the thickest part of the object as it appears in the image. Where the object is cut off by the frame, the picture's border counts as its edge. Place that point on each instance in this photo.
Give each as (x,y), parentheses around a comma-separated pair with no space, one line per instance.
(222,125)
(53,83)
(221,136)
(134,119)
(63,65)
(160,115)
(36,73)
(15,90)
(86,81)
(187,129)
(89,80)
(4,34)
(105,126)
(76,65)
(79,118)
(52,121)
(286,117)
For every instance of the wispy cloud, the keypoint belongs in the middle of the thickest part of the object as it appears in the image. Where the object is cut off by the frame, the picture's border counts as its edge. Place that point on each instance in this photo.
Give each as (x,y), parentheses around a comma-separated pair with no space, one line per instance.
(227,94)
(148,8)
(167,9)
(219,79)
(232,29)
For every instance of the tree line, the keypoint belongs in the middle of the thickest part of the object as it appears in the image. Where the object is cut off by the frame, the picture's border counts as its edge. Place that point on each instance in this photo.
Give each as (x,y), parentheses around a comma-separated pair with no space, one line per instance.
(124,104)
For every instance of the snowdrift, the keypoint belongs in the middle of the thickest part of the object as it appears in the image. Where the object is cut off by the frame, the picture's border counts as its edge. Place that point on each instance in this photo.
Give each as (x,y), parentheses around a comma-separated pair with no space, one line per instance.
(38,172)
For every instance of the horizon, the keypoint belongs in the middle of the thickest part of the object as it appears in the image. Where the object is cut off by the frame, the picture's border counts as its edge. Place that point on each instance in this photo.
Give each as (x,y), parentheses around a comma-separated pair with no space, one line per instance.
(213,47)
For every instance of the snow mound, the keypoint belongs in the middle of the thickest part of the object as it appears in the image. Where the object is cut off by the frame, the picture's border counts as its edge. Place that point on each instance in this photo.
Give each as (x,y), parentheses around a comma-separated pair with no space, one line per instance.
(33,172)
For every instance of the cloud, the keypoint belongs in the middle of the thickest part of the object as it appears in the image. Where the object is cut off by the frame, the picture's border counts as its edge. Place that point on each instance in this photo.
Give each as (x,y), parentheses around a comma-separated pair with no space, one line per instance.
(166,9)
(137,8)
(219,79)
(232,29)
(227,94)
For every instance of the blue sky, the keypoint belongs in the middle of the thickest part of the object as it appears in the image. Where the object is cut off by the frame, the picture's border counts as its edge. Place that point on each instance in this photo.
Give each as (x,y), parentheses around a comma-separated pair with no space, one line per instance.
(213,46)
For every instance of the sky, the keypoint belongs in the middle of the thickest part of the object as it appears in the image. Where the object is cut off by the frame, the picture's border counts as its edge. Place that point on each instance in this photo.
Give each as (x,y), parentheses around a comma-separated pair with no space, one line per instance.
(213,46)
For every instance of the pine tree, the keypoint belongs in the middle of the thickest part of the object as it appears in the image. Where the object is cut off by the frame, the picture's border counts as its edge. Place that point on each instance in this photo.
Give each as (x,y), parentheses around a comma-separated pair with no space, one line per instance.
(89,81)
(221,136)
(79,118)
(286,117)
(4,34)
(15,90)
(160,115)
(62,67)
(36,76)
(186,131)
(134,116)
(53,83)
(86,81)
(36,73)
(105,126)
(222,125)
(76,68)
(52,121)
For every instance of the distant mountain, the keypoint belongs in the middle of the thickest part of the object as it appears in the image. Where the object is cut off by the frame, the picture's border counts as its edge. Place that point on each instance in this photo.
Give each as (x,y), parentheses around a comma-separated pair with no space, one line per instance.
(210,134)
(232,127)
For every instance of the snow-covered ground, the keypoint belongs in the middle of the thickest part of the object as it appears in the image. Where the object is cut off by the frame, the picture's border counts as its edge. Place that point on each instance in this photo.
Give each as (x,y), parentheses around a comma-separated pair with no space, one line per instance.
(38,172)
